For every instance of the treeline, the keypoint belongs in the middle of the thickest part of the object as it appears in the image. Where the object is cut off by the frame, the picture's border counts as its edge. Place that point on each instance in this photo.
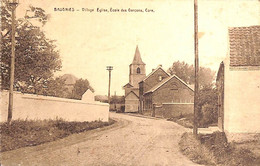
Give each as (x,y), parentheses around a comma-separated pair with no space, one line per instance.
(36,56)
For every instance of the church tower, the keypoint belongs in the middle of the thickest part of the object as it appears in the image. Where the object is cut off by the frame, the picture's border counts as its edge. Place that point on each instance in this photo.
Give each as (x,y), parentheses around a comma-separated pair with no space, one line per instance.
(136,69)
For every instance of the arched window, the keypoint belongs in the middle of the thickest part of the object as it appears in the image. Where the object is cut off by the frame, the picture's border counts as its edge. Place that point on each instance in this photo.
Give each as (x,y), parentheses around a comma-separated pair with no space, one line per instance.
(160,78)
(138,70)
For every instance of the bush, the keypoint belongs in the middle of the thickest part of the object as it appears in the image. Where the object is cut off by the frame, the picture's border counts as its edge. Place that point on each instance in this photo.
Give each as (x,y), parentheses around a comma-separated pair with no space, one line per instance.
(208,105)
(213,149)
(209,115)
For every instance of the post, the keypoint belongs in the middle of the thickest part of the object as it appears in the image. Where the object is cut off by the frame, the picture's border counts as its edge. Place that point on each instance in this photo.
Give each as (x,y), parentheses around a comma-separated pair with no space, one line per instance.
(10,104)
(153,113)
(195,122)
(115,101)
(109,68)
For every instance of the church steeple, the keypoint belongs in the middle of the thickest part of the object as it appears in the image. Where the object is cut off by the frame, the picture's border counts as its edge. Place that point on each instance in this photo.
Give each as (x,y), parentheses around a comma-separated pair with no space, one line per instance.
(136,69)
(137,57)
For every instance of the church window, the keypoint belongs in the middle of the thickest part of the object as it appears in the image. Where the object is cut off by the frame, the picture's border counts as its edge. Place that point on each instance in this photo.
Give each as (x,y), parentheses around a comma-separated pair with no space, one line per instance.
(138,70)
(160,78)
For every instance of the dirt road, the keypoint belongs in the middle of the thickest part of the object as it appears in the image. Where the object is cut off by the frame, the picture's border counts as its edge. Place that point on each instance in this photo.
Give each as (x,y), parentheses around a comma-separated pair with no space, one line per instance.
(131,141)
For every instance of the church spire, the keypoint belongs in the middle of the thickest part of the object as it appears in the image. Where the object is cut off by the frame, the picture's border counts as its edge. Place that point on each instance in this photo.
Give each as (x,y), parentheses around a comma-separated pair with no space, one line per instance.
(137,58)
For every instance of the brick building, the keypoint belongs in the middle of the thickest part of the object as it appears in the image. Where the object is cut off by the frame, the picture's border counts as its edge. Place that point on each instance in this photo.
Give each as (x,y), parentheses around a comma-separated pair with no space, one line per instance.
(155,77)
(170,97)
(238,83)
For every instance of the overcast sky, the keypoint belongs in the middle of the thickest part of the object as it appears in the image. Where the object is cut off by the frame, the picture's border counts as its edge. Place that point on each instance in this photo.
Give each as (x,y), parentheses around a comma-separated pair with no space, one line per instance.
(89,41)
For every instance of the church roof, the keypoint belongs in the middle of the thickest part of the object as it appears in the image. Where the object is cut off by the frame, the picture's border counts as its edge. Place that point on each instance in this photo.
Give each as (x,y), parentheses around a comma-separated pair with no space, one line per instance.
(164,82)
(137,57)
(244,46)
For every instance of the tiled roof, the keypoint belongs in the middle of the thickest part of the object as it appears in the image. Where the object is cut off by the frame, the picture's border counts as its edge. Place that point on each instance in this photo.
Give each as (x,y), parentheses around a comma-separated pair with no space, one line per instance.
(244,46)
(137,57)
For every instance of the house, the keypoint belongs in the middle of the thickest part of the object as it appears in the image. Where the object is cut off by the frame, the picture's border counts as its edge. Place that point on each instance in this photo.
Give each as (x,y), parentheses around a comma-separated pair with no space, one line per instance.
(136,74)
(152,79)
(238,83)
(171,97)
(70,80)
(88,96)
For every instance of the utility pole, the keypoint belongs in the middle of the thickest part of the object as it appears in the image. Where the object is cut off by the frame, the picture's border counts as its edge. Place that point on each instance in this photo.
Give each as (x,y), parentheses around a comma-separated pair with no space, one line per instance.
(196,93)
(109,68)
(115,101)
(13,4)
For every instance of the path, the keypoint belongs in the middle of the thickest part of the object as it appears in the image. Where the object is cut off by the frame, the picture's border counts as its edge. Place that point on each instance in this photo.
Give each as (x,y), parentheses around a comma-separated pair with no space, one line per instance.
(131,141)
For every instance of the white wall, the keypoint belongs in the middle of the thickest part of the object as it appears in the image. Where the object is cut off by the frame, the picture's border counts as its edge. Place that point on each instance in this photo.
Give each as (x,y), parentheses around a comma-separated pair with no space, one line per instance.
(242,101)
(28,106)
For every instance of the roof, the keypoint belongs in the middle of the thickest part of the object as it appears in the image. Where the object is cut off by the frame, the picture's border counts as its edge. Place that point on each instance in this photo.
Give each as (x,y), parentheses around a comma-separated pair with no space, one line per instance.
(137,57)
(127,85)
(220,70)
(244,46)
(69,79)
(133,93)
(159,67)
(164,82)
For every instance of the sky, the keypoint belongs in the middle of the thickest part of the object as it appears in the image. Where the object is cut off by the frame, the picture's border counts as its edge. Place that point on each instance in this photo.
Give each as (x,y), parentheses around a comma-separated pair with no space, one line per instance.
(90,41)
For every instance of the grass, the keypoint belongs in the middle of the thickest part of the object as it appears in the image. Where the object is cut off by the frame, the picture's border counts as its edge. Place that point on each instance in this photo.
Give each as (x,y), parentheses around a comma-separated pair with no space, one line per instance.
(183,120)
(22,133)
(215,150)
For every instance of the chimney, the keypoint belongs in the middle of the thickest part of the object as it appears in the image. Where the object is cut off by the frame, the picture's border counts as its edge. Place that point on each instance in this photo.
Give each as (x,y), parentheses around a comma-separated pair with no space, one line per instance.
(160,65)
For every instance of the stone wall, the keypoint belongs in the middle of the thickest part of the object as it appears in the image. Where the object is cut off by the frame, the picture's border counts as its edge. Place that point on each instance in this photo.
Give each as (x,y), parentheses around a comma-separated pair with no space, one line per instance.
(37,107)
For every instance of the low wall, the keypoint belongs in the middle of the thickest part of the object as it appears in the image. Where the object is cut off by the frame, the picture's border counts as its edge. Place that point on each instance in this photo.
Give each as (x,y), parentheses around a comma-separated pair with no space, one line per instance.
(170,110)
(37,107)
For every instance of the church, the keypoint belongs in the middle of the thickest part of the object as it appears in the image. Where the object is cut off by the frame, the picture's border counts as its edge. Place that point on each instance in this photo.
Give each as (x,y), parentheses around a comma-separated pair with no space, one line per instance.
(136,74)
(159,92)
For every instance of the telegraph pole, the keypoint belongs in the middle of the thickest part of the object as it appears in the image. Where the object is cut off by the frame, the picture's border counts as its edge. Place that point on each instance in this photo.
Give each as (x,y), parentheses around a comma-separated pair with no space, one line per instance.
(13,5)
(109,68)
(195,122)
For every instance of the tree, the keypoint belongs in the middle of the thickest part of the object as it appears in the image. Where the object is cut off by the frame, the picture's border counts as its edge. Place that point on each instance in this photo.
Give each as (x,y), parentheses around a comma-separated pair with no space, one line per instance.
(54,87)
(208,98)
(186,72)
(36,56)
(208,106)
(79,88)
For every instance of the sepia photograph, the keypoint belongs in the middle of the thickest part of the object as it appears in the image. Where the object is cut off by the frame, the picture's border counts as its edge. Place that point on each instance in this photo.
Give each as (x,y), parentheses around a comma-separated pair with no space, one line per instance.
(130,83)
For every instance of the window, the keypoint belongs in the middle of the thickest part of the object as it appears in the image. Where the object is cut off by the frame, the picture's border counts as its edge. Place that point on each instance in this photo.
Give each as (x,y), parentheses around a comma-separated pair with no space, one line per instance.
(138,70)
(174,87)
(160,78)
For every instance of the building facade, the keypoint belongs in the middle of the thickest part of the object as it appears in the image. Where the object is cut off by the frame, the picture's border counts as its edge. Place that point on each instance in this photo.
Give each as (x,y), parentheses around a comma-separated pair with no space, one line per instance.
(136,74)
(155,77)
(171,97)
(238,83)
